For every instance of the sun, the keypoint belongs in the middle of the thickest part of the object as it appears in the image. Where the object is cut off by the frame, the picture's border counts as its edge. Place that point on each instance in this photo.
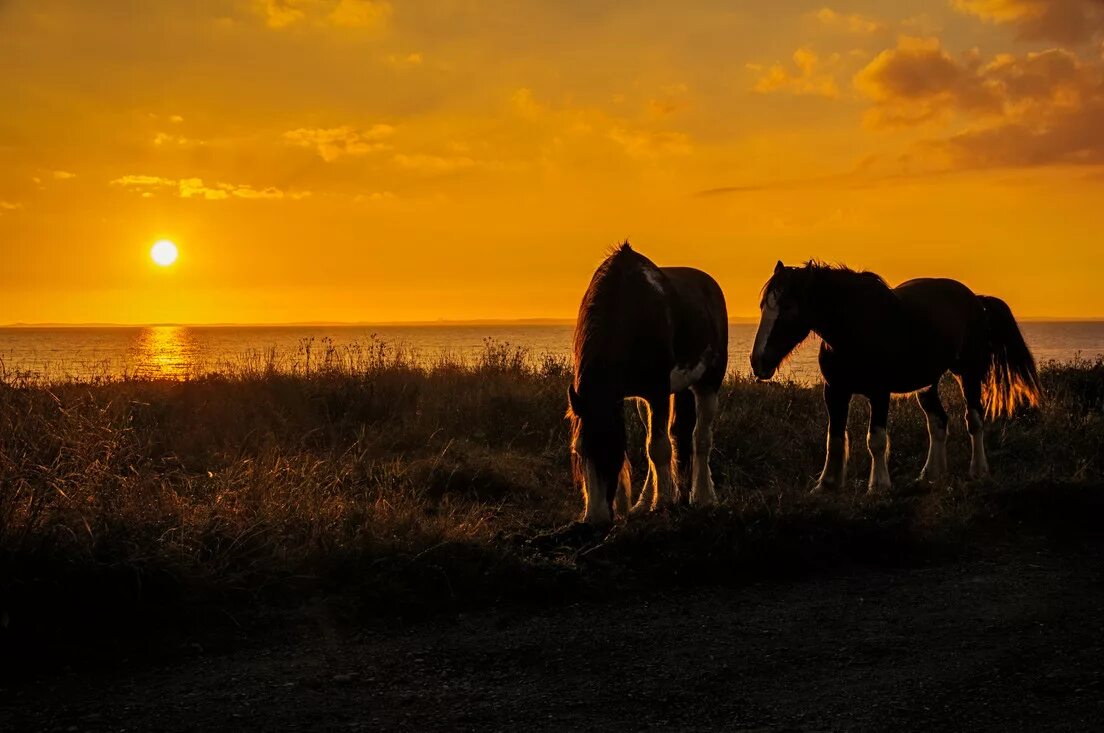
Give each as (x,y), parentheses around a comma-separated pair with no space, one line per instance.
(163,252)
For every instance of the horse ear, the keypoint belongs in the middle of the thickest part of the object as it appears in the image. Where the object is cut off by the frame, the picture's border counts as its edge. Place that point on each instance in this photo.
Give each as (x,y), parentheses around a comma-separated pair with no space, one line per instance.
(573,399)
(779,267)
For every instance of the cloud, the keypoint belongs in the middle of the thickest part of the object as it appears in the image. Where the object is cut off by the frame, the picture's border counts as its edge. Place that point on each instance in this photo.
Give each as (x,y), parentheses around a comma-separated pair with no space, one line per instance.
(334,142)
(1016,110)
(360,14)
(188,188)
(650,144)
(526,105)
(194,188)
(434,164)
(564,126)
(1065,21)
(405,60)
(339,13)
(165,138)
(1070,136)
(672,98)
(141,181)
(806,79)
(373,197)
(63,175)
(9,206)
(853,23)
(280,13)
(919,81)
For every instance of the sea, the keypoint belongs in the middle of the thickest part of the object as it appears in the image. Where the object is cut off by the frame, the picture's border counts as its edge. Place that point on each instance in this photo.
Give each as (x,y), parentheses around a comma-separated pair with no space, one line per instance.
(52,354)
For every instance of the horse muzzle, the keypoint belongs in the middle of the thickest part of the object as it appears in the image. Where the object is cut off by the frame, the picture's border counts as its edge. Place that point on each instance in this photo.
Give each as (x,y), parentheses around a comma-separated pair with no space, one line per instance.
(760,369)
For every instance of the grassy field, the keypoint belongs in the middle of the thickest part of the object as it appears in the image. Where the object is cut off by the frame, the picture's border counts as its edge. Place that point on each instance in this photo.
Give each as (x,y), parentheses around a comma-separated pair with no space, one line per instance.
(141,510)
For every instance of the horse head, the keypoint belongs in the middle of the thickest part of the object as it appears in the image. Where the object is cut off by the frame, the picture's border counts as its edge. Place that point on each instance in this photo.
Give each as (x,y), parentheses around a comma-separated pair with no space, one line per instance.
(783,324)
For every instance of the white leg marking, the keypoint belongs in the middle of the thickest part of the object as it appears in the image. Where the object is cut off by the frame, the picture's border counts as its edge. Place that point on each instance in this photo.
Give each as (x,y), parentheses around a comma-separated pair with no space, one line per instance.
(979,464)
(647,496)
(622,500)
(835,463)
(597,508)
(935,468)
(665,484)
(701,483)
(660,459)
(682,378)
(877,442)
(766,325)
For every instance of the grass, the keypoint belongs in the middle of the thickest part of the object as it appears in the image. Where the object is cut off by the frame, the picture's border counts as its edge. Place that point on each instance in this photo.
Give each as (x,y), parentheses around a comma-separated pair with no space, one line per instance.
(148,510)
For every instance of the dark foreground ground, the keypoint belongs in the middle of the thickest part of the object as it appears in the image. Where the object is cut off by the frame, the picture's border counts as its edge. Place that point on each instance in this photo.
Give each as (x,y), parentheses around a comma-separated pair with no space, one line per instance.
(366,543)
(1011,640)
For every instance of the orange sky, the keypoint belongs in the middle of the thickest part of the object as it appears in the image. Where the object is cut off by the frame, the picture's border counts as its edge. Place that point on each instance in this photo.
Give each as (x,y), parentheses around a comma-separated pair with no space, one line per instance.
(357,160)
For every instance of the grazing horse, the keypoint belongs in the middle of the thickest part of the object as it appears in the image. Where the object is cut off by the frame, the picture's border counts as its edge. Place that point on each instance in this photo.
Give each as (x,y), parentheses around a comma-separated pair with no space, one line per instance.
(878,341)
(646,332)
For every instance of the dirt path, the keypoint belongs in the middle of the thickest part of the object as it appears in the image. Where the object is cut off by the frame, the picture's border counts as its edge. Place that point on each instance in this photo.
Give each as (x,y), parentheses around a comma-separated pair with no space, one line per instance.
(1011,643)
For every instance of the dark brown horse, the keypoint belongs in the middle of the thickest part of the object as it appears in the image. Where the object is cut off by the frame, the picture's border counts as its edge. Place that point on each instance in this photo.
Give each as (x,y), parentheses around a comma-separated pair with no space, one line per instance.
(646,332)
(879,341)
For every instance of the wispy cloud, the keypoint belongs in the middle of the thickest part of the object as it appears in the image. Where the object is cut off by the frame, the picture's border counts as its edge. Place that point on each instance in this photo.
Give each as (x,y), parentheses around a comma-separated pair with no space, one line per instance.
(196,188)
(1064,21)
(434,163)
(332,143)
(805,77)
(405,60)
(651,144)
(372,14)
(360,14)
(850,22)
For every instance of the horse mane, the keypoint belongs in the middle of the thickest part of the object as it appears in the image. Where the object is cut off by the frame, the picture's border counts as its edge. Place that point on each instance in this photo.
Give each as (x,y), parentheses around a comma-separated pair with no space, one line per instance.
(813,270)
(591,326)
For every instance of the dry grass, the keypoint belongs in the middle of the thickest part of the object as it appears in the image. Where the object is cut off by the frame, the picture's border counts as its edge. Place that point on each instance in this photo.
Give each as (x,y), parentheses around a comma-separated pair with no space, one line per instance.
(153,506)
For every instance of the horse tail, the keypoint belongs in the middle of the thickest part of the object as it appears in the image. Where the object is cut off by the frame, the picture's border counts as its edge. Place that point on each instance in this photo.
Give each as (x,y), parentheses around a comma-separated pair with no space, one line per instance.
(1012,379)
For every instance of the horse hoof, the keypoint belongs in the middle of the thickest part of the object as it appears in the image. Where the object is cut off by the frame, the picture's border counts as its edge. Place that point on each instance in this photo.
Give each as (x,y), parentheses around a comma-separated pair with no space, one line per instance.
(936,482)
(703,500)
(878,488)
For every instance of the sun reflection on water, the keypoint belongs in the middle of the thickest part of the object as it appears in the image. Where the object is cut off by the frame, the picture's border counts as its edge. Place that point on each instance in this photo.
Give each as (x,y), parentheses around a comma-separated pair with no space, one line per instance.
(164,351)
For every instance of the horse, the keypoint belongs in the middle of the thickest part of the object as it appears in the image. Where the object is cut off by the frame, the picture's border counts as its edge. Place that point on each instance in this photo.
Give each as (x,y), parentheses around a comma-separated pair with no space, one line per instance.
(660,335)
(878,341)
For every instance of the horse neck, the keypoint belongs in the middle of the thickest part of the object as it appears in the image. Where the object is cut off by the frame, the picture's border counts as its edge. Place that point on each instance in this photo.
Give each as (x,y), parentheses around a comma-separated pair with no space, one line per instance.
(838,303)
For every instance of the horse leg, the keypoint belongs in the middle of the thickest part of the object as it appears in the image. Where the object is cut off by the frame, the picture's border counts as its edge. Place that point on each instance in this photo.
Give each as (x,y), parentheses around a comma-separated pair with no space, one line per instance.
(975,424)
(661,470)
(598,500)
(643,501)
(935,468)
(877,442)
(683,424)
(838,402)
(702,492)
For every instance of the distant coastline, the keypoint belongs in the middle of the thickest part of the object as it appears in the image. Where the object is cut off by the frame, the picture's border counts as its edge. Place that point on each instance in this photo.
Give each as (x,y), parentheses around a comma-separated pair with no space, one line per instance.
(439,322)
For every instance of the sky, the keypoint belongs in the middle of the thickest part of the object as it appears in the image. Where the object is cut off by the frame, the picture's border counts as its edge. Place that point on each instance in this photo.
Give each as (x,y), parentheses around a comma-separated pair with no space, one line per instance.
(364,160)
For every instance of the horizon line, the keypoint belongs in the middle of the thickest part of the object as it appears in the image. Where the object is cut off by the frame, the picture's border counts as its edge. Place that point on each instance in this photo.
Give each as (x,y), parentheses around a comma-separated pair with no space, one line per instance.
(534,321)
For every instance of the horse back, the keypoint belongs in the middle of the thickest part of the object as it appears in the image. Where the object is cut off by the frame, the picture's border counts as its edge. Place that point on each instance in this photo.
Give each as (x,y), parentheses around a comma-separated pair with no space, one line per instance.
(941,302)
(948,310)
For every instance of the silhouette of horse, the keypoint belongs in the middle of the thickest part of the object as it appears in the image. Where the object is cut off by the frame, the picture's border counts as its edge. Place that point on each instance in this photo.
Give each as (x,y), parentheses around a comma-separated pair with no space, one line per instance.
(647,332)
(878,341)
